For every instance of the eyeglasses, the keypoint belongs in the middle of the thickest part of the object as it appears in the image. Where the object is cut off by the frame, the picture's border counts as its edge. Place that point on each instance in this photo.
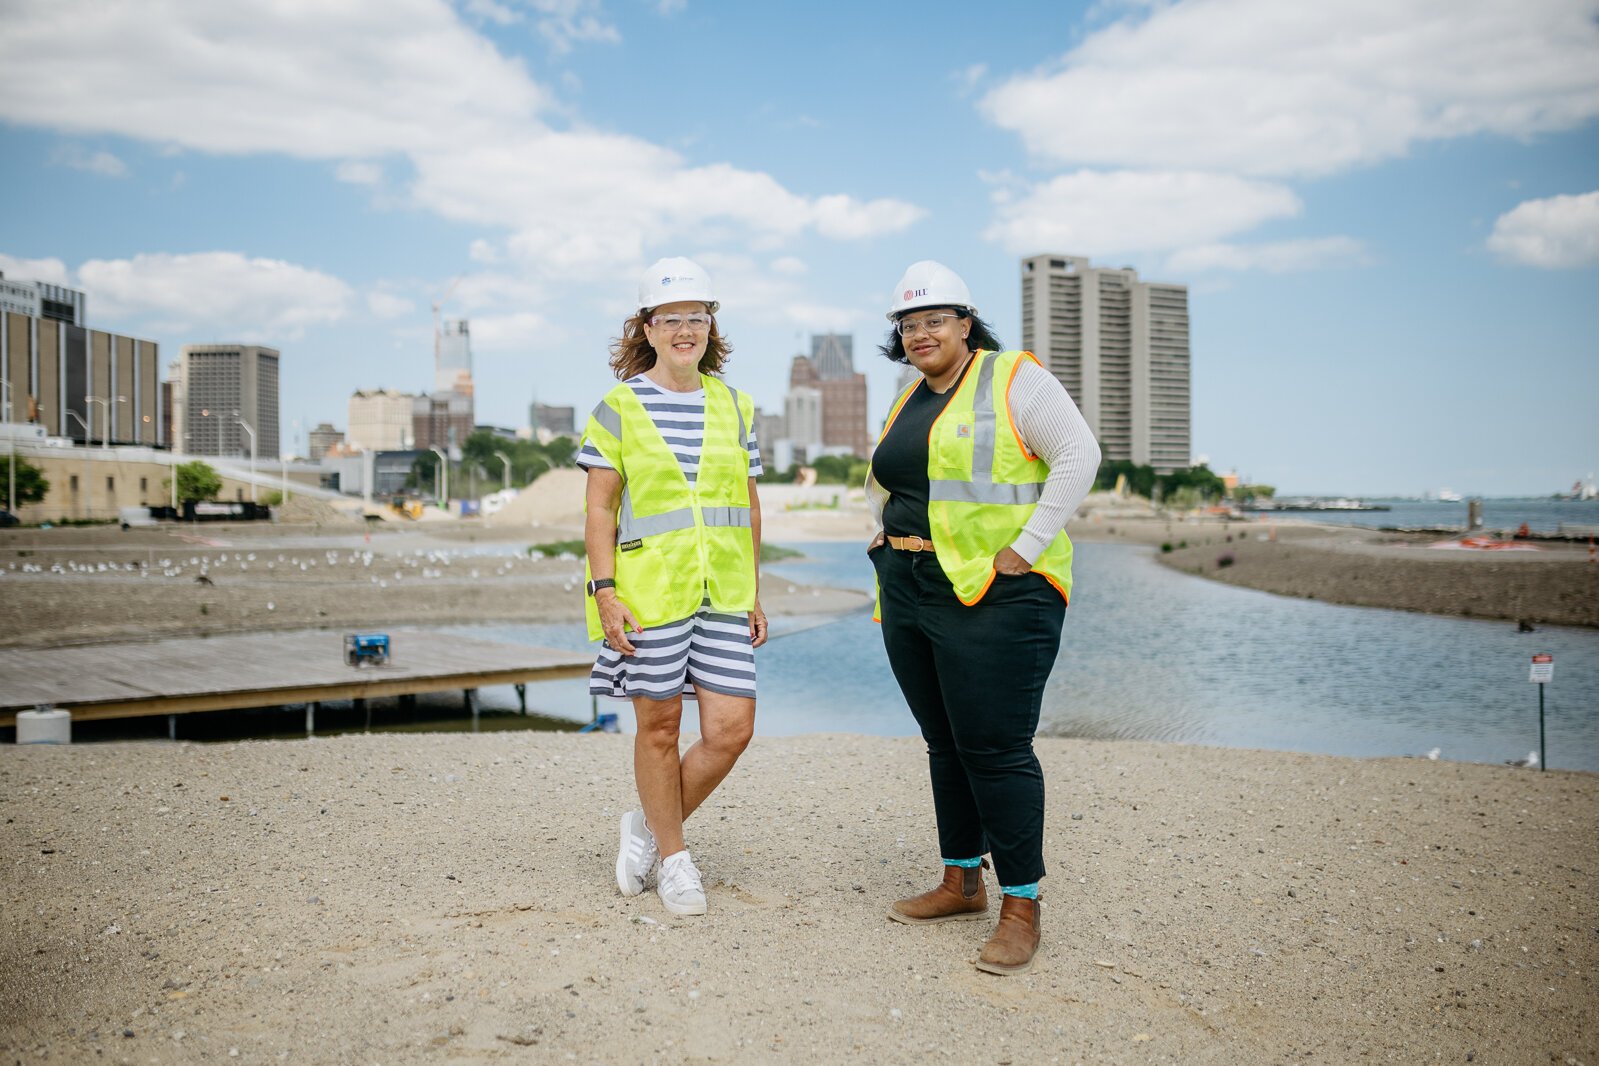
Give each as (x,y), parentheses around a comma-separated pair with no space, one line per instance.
(931,323)
(673,323)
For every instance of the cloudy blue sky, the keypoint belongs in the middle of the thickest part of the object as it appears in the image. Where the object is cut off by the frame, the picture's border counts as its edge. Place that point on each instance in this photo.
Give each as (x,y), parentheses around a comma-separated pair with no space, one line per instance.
(1387,211)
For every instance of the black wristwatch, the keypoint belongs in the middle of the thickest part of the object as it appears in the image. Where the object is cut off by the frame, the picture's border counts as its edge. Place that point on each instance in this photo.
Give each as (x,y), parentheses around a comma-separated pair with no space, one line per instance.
(601,583)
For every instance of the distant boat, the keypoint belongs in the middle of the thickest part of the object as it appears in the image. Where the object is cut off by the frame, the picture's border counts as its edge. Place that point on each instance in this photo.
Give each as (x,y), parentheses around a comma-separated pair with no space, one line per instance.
(1449,496)
(1579,491)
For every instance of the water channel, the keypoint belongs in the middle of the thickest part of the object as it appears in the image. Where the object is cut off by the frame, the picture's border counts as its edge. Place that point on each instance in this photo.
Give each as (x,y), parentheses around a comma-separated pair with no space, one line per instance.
(1149,653)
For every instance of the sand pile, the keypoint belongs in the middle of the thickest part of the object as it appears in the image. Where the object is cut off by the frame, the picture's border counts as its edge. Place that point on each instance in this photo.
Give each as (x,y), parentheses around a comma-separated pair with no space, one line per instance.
(303,510)
(556,499)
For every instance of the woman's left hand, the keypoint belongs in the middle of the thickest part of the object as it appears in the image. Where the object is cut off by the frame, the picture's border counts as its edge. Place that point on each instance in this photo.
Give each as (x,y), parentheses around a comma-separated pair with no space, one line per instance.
(1008,562)
(757,626)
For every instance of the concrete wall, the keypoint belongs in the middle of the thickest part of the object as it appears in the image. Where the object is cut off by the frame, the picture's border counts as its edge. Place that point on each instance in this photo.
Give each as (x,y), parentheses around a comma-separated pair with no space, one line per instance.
(92,483)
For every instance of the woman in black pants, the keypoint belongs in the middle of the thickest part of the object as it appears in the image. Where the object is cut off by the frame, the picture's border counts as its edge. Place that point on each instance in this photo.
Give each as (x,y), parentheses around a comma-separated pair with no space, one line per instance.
(981,463)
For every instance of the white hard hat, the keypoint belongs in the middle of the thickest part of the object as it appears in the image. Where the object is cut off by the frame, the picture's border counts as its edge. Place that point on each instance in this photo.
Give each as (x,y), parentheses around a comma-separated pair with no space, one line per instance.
(669,281)
(929,284)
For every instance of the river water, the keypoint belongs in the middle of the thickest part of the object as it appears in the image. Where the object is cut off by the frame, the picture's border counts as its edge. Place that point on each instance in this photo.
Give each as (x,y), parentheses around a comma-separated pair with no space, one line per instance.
(1500,514)
(1149,653)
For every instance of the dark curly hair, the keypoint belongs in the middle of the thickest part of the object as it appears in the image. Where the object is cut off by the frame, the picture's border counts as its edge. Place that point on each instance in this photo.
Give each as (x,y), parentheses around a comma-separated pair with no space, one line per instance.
(981,337)
(632,354)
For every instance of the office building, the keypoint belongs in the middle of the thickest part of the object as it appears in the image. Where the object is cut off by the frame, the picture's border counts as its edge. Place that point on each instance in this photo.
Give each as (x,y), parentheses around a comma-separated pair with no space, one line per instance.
(1121,348)
(548,421)
(42,300)
(841,396)
(452,357)
(833,354)
(380,420)
(229,400)
(321,439)
(442,420)
(76,382)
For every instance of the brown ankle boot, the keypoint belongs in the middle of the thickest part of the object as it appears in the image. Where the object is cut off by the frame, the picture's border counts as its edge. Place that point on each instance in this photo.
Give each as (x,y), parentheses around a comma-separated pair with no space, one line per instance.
(961,897)
(1015,941)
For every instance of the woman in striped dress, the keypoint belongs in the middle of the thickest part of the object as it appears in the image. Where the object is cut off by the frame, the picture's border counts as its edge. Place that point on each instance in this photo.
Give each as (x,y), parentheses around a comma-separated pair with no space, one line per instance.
(672,536)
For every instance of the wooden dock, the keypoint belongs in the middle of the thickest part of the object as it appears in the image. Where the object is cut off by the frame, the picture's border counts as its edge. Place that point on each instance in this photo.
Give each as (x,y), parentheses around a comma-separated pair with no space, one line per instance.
(260,670)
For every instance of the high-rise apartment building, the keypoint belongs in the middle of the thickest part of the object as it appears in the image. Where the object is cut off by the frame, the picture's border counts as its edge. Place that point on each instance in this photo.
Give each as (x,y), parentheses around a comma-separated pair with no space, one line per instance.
(380,421)
(1121,348)
(76,382)
(229,400)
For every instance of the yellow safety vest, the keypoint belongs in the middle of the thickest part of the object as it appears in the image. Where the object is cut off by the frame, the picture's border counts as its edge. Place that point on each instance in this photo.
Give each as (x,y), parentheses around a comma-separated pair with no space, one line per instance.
(983,483)
(676,543)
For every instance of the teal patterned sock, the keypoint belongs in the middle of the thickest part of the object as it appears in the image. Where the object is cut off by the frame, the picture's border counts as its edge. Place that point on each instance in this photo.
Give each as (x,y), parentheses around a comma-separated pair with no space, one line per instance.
(1021,891)
(965,864)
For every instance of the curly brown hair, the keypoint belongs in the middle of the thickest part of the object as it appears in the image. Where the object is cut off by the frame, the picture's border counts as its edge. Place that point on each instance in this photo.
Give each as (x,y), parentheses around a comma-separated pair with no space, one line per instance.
(632,354)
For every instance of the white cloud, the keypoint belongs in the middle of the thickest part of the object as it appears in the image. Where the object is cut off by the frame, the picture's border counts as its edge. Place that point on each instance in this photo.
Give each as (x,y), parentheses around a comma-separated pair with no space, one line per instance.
(789,265)
(350,80)
(489,11)
(1267,88)
(519,330)
(249,299)
(387,305)
(371,80)
(79,158)
(771,297)
(1560,232)
(1279,257)
(1096,213)
(359,172)
(51,271)
(670,7)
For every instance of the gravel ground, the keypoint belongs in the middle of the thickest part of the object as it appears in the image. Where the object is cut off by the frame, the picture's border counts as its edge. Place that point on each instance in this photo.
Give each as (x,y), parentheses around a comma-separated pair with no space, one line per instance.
(396,899)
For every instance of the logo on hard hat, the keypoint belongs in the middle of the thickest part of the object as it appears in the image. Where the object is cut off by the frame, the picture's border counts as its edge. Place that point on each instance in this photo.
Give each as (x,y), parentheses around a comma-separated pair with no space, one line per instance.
(911,294)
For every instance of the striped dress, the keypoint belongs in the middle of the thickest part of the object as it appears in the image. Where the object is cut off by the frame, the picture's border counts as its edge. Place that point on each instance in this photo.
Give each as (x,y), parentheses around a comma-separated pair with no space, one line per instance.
(708,650)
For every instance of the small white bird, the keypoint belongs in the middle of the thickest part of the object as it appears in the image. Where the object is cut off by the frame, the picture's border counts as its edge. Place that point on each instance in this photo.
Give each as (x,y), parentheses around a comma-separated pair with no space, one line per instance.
(1434,753)
(1530,761)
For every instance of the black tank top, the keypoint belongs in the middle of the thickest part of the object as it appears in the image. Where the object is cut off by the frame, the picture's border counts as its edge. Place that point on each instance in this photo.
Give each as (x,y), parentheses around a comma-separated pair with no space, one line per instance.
(900,462)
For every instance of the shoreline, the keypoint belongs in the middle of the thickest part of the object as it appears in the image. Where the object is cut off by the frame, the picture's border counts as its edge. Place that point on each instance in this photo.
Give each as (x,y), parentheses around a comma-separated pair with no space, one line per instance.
(285,576)
(405,899)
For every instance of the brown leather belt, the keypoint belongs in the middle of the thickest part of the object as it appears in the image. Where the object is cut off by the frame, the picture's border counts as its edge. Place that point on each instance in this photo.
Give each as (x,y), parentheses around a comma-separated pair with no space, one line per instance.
(910,544)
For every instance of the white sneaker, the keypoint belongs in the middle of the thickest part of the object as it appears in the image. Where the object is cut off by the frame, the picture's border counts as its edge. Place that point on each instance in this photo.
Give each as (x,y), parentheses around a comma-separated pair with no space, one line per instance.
(636,855)
(679,885)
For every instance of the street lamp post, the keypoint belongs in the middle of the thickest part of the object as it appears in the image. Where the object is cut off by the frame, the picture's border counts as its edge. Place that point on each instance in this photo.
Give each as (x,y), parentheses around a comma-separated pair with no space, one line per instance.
(444,470)
(251,431)
(505,484)
(83,498)
(105,403)
(11,448)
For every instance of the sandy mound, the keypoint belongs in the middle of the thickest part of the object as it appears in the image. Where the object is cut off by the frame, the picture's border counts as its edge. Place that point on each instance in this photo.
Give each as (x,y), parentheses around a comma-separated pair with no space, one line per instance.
(556,499)
(303,510)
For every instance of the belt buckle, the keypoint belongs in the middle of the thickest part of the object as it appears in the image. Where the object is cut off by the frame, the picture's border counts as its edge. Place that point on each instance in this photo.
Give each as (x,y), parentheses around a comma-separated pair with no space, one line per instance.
(921,545)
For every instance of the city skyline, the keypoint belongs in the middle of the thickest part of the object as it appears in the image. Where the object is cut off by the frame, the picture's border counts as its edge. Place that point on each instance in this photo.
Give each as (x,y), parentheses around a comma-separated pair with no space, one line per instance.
(1390,254)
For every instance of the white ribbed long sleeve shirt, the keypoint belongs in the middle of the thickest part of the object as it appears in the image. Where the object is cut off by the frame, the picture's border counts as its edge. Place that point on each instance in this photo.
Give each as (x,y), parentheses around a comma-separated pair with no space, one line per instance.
(1054,430)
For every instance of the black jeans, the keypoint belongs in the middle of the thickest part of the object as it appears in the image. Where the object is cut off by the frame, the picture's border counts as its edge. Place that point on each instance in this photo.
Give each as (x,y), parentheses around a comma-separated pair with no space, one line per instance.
(974,678)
